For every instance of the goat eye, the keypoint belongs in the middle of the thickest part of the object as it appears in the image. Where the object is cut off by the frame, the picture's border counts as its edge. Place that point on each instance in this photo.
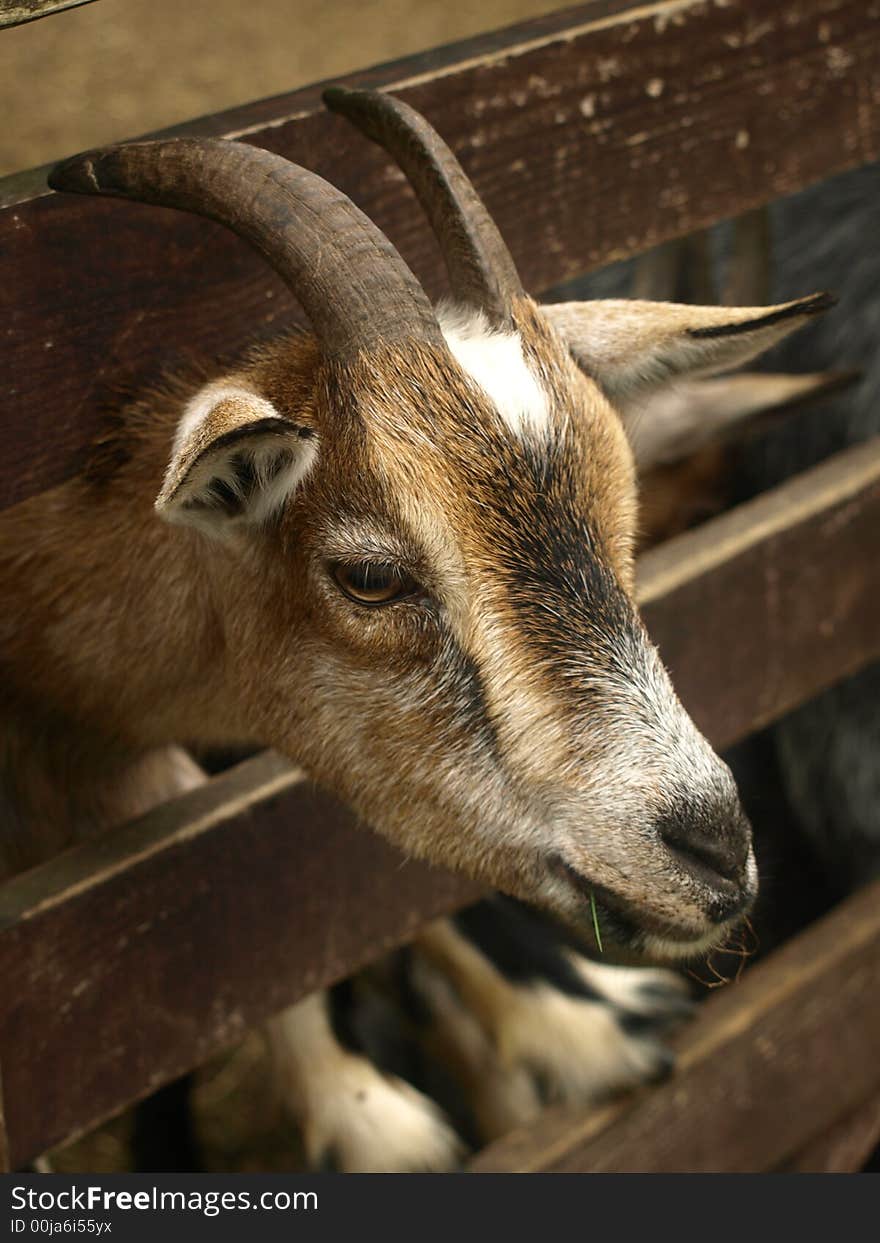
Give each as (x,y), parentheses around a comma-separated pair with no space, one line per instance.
(372,582)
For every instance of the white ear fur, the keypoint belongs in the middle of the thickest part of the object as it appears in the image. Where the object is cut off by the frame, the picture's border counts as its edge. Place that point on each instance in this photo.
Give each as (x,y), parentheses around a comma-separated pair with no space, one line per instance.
(671,423)
(631,348)
(235,461)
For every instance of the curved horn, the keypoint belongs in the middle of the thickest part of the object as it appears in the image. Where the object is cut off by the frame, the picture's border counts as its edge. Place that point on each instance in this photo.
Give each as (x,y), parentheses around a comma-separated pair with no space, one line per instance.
(351,282)
(481,270)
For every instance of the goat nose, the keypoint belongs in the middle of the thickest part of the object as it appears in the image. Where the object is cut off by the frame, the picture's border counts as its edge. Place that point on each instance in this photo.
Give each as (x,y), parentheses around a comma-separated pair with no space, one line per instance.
(710,847)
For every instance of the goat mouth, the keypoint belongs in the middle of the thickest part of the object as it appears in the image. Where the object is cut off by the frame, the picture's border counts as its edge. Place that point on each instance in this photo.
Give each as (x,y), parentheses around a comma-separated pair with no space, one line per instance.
(606,921)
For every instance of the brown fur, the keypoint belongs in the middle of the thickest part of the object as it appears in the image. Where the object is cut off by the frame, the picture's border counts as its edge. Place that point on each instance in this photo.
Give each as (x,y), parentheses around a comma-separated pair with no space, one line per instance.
(486,723)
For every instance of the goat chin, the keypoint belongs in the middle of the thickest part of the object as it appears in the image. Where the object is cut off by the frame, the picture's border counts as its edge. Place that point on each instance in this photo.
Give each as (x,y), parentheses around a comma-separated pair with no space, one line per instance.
(626,942)
(605,929)
(645,949)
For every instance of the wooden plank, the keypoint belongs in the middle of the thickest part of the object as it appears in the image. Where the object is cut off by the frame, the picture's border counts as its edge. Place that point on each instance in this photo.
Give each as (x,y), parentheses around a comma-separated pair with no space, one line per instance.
(129,960)
(592,133)
(748,271)
(213,917)
(777,1057)
(767,605)
(4,1139)
(17,12)
(844,1147)
(677,496)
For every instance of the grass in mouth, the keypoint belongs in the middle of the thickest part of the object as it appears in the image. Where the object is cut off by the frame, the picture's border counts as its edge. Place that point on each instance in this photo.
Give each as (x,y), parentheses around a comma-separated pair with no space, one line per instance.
(596,923)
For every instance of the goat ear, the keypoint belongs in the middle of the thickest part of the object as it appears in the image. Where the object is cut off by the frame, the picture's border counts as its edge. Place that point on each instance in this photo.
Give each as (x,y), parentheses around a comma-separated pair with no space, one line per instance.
(674,422)
(632,348)
(235,461)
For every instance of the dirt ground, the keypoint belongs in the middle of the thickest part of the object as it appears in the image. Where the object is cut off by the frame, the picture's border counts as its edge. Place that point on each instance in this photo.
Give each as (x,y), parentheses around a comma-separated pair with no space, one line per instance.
(119,68)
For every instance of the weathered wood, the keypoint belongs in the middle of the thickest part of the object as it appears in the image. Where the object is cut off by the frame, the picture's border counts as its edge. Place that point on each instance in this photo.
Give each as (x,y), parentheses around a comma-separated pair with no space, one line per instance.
(592,133)
(128,961)
(749,263)
(17,12)
(678,495)
(765,606)
(203,918)
(844,1147)
(4,1139)
(676,271)
(769,1061)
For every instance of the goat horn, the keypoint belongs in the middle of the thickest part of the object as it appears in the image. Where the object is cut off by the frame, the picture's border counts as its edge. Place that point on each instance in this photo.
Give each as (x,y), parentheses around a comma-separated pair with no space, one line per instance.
(351,282)
(481,271)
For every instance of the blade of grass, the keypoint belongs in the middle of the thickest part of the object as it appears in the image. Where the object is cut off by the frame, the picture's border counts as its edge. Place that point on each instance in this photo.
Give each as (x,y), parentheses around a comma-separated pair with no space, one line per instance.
(596,923)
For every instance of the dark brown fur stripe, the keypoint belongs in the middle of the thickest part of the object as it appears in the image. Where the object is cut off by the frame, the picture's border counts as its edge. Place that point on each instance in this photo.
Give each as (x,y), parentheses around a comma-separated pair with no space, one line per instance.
(814,305)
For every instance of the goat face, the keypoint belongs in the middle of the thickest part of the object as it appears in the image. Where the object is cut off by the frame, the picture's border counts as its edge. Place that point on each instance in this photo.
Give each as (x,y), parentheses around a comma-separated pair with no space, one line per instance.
(424,562)
(442,608)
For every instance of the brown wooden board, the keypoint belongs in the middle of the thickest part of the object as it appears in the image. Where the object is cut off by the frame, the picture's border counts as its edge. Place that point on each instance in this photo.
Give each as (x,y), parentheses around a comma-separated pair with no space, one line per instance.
(844,1147)
(4,1143)
(769,1062)
(129,960)
(766,605)
(592,134)
(16,12)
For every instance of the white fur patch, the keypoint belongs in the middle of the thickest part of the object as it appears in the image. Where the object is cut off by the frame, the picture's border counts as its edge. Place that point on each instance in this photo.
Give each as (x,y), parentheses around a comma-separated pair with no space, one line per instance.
(577,1046)
(365,1121)
(635,990)
(372,1124)
(494,361)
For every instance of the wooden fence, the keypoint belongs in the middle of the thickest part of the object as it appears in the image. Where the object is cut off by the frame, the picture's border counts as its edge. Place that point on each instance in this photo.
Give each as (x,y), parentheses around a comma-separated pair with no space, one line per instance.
(592,134)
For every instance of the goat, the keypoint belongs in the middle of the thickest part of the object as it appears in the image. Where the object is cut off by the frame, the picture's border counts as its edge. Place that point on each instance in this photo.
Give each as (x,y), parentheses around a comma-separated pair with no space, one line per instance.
(499,1007)
(398,550)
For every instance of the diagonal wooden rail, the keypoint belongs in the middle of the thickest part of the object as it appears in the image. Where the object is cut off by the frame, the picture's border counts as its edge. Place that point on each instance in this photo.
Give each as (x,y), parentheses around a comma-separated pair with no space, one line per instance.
(129,960)
(845,1146)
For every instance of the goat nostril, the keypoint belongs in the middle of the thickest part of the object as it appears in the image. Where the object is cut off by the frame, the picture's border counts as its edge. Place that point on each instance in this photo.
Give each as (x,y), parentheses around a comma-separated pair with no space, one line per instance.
(710,858)
(705,861)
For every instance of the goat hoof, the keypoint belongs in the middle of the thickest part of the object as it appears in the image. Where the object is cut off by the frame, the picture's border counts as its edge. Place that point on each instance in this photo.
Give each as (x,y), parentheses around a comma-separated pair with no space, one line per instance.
(377,1124)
